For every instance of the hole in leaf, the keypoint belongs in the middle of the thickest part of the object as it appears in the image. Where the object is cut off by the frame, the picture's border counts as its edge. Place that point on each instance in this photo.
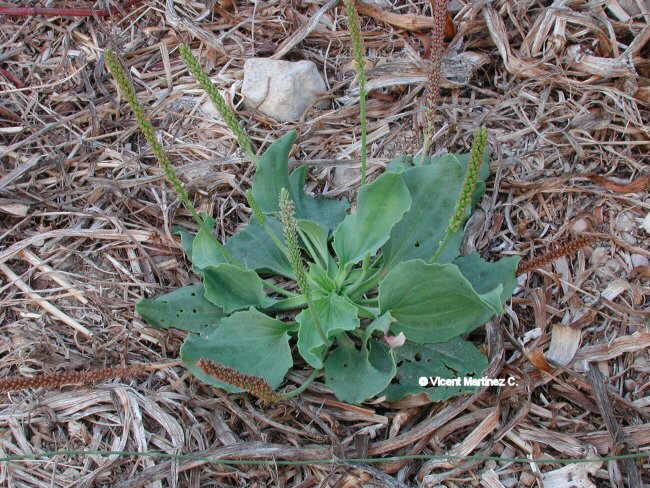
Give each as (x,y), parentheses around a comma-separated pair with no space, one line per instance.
(417,243)
(193,294)
(418,356)
(193,310)
(345,365)
(164,302)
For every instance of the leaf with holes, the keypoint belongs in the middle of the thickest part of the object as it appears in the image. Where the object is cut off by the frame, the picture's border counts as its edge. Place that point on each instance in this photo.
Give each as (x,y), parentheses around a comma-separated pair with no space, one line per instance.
(184,309)
(449,360)
(249,341)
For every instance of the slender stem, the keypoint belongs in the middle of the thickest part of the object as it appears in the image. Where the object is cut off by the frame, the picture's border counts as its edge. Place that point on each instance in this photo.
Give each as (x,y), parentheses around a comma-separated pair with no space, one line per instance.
(305,384)
(360,280)
(358,291)
(311,250)
(441,247)
(362,110)
(299,301)
(280,290)
(357,46)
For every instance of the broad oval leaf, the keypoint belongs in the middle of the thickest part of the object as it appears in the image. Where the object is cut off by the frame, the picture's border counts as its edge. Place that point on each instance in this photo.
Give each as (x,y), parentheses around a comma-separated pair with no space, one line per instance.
(336,314)
(233,288)
(432,302)
(495,280)
(357,375)
(272,174)
(453,359)
(248,341)
(206,249)
(328,212)
(381,205)
(184,309)
(256,250)
(434,190)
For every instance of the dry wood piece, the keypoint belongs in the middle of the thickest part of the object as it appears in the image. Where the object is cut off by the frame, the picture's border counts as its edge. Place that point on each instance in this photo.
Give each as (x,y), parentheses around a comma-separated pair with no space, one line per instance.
(571,476)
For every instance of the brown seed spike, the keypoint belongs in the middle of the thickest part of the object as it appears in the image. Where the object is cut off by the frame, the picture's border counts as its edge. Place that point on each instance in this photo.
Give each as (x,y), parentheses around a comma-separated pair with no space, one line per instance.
(555,253)
(57,380)
(254,385)
(439,8)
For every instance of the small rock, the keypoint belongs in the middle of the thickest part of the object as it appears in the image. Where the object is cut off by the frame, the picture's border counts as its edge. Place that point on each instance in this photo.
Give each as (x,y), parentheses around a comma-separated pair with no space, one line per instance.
(281,89)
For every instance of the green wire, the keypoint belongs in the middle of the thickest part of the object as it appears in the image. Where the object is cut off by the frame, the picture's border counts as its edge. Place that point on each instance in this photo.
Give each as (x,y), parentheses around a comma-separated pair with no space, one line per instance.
(205,456)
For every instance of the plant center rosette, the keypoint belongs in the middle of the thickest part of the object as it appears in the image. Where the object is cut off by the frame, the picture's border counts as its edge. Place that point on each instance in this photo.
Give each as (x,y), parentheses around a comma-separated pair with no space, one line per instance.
(374,298)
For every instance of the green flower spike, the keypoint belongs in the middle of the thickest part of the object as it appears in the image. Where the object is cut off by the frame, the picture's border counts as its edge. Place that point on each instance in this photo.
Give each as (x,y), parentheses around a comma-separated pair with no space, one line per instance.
(469,185)
(219,103)
(359,58)
(128,92)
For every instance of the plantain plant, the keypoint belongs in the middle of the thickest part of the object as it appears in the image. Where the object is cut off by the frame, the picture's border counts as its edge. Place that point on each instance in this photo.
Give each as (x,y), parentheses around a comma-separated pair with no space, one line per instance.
(370,298)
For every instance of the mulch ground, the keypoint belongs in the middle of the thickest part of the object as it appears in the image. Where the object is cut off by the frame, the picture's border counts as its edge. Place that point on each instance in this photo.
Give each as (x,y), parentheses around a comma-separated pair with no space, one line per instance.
(86,231)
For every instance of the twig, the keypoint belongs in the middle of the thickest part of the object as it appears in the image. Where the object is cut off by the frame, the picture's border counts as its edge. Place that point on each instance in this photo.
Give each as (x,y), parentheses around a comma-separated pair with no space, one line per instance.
(63,11)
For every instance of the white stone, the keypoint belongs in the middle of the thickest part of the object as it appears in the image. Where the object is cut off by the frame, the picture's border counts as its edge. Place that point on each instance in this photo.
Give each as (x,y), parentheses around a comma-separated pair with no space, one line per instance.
(281,89)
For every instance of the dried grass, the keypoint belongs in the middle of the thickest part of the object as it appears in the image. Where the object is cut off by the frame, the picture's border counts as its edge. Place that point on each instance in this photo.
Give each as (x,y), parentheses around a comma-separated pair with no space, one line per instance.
(85,226)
